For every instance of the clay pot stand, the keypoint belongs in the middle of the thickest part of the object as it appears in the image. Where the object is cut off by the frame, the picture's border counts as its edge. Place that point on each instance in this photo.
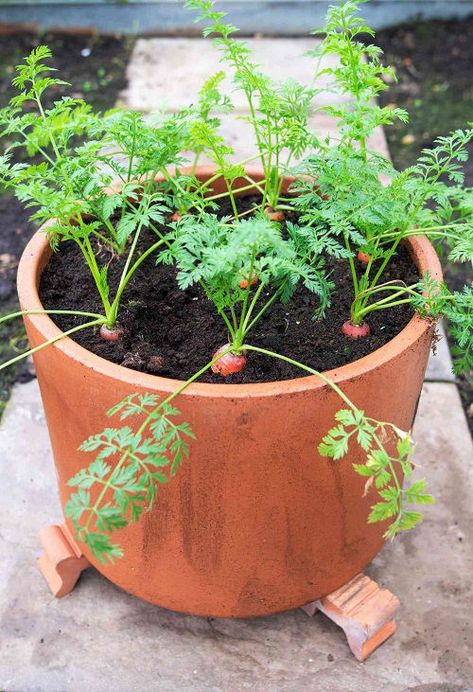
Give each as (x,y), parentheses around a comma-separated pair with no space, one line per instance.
(363,610)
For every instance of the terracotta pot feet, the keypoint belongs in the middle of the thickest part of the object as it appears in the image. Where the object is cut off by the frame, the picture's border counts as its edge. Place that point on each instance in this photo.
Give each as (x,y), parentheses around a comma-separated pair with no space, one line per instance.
(363,610)
(62,560)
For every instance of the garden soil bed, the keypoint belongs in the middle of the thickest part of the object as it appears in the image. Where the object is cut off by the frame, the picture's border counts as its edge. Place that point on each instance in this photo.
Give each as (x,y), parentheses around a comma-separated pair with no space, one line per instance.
(93,64)
(173,333)
(433,63)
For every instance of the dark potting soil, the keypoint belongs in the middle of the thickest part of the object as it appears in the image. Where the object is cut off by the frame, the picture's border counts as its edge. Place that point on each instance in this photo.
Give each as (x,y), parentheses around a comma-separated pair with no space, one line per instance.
(173,333)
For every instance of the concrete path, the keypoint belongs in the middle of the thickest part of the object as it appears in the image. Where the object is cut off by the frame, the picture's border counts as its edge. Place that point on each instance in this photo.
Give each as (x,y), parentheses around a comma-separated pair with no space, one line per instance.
(99,638)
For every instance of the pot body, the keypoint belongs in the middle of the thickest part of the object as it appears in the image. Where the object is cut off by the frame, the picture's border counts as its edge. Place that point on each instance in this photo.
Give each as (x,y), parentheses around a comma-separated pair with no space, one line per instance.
(255,522)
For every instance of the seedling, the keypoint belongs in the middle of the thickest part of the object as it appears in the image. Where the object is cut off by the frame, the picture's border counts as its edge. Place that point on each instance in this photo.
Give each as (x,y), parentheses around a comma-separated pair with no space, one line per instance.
(217,253)
(91,179)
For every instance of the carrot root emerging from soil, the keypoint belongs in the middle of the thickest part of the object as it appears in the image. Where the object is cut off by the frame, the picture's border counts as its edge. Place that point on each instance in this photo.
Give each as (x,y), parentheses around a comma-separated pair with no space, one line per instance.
(274,215)
(244,282)
(229,364)
(363,258)
(113,334)
(355,331)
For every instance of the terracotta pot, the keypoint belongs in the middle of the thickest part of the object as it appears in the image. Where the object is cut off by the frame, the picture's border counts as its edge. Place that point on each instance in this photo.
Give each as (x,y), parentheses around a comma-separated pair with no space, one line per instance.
(256,521)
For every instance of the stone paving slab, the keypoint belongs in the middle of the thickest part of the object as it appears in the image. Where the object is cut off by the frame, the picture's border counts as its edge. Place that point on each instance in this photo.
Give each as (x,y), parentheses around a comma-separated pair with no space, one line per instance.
(100,638)
(439,367)
(169,72)
(166,74)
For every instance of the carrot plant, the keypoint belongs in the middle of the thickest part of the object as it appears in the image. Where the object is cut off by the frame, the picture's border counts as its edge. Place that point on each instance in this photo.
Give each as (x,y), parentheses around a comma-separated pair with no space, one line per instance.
(244,266)
(354,198)
(90,178)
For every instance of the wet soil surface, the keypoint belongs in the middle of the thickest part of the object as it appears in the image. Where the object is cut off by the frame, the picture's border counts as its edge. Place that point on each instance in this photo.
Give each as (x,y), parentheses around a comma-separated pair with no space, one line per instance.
(95,66)
(434,63)
(174,333)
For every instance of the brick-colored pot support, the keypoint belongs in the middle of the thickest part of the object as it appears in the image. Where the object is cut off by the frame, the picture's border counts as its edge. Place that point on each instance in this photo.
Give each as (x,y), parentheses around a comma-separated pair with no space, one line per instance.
(256,521)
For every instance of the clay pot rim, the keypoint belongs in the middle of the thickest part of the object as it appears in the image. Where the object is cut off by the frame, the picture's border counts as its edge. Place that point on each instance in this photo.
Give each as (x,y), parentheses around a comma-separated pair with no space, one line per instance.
(36,256)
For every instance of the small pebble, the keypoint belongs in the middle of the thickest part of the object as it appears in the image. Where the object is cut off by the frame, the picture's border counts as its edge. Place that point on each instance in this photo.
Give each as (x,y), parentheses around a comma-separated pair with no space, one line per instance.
(7,260)
(155,363)
(132,360)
